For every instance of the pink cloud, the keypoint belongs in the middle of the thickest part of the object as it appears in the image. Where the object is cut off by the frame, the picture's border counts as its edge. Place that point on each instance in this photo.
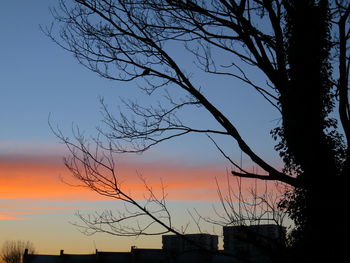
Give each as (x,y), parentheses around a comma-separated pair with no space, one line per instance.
(40,178)
(9,217)
(21,209)
(34,177)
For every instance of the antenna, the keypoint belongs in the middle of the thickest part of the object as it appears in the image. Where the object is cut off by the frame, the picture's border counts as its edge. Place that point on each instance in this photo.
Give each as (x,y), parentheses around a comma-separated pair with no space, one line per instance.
(95,245)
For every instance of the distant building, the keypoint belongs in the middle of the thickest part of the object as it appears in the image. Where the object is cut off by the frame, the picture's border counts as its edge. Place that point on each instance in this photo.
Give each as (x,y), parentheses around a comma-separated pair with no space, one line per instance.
(98,257)
(256,242)
(177,244)
(145,255)
(253,243)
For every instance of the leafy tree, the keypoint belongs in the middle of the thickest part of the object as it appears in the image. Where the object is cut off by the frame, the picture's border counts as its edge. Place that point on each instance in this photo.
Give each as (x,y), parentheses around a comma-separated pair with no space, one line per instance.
(300,46)
(12,250)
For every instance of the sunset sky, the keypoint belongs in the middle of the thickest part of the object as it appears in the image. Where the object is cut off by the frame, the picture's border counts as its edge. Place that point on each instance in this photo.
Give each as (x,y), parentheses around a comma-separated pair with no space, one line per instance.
(39,82)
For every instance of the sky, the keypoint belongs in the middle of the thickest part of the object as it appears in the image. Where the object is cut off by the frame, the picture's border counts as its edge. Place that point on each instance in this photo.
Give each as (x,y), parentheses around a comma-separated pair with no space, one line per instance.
(42,83)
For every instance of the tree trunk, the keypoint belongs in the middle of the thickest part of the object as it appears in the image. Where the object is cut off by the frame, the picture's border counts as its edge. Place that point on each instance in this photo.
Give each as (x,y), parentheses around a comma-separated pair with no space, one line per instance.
(320,204)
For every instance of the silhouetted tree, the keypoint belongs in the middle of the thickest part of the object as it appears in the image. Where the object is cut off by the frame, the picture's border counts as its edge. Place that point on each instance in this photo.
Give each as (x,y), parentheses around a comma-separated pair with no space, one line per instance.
(300,46)
(12,250)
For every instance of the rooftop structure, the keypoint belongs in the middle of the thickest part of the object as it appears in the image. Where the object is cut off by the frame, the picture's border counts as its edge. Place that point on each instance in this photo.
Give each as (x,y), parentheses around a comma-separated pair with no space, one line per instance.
(177,244)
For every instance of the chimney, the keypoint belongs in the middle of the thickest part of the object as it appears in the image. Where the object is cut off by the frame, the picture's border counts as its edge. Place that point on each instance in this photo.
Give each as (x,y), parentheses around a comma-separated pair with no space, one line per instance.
(25,256)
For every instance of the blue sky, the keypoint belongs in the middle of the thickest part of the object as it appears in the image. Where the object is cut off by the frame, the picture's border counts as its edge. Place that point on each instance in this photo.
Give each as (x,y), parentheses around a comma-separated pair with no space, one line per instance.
(39,78)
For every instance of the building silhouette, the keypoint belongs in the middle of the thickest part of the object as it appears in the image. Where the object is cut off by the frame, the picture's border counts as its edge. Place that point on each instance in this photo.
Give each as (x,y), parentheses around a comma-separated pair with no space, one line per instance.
(135,255)
(177,244)
(256,243)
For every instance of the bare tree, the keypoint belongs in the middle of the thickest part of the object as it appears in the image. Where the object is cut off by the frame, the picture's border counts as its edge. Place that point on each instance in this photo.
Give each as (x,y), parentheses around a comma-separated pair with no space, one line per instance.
(300,47)
(253,206)
(249,211)
(95,168)
(12,250)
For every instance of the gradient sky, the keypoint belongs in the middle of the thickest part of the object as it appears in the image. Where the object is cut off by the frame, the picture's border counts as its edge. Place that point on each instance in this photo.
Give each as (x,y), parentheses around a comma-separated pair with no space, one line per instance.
(38,79)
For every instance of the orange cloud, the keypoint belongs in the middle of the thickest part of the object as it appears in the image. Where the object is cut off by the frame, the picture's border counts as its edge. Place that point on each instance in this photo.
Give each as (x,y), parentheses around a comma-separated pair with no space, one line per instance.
(40,178)
(21,209)
(29,180)
(35,180)
(22,215)
(9,217)
(17,215)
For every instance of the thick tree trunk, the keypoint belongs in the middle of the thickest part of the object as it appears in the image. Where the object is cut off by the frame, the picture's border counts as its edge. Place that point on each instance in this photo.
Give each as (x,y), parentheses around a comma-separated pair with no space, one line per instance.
(325,230)
(320,204)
